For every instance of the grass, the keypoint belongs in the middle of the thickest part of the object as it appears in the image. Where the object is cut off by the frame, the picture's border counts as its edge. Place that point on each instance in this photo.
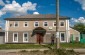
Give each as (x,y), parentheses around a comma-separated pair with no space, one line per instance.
(20,46)
(72,45)
(32,46)
(50,52)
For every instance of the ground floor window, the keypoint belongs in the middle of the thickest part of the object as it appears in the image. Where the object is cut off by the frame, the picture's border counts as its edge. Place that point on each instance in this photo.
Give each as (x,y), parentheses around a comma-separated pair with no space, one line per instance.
(62,35)
(15,37)
(25,37)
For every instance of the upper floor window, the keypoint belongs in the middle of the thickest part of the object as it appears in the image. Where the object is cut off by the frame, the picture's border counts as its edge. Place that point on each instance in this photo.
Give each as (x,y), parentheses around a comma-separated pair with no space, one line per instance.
(62,23)
(45,23)
(54,24)
(16,24)
(36,24)
(26,24)
(10,25)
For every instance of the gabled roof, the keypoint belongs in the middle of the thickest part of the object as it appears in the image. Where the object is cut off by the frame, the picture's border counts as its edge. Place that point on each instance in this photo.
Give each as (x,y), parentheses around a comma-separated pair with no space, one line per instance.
(37,17)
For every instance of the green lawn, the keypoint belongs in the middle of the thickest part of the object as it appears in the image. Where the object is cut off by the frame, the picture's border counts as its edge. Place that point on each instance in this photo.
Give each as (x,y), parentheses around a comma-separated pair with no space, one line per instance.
(33,46)
(72,45)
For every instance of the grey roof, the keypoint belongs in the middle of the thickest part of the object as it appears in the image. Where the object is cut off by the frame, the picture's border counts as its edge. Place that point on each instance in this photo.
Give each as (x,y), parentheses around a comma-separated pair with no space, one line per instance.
(37,17)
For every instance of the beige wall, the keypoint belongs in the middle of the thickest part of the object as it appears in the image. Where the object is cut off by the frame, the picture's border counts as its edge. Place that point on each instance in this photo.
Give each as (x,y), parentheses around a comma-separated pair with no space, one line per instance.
(31,26)
(72,31)
(75,34)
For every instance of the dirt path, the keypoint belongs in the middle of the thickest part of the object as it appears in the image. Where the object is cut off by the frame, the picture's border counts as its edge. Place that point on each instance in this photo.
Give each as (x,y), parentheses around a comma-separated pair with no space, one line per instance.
(17,51)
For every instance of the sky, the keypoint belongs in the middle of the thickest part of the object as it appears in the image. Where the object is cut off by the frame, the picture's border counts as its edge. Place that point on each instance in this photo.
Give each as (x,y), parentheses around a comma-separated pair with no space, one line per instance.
(75,9)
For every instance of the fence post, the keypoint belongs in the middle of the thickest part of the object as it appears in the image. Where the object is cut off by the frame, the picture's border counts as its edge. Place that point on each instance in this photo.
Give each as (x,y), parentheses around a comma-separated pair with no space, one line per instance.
(72,39)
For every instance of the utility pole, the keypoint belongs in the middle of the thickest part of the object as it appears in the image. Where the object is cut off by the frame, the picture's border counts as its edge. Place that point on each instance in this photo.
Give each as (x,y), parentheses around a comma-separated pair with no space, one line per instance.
(57,25)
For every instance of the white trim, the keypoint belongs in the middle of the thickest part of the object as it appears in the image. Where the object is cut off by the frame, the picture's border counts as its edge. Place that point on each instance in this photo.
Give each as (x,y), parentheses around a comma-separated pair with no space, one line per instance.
(23,36)
(67,31)
(25,23)
(54,23)
(68,25)
(6,30)
(60,23)
(13,37)
(64,37)
(7,37)
(48,33)
(44,23)
(35,22)
(15,22)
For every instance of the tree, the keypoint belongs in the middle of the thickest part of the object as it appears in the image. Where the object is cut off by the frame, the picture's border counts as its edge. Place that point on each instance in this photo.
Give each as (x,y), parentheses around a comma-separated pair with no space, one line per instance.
(79,27)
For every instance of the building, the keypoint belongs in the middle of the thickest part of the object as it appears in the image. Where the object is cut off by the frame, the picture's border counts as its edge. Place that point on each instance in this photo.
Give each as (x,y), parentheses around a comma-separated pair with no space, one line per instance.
(2,36)
(19,29)
(74,35)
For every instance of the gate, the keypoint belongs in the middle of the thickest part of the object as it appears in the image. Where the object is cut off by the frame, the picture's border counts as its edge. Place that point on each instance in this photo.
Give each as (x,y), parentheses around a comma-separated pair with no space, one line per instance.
(74,38)
(82,38)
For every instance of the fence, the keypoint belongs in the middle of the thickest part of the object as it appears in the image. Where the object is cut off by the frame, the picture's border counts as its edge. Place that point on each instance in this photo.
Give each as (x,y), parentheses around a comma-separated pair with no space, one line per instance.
(74,38)
(82,38)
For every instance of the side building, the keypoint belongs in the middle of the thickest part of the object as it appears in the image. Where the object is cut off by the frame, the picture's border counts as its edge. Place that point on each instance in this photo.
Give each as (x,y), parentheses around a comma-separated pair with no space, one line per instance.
(19,29)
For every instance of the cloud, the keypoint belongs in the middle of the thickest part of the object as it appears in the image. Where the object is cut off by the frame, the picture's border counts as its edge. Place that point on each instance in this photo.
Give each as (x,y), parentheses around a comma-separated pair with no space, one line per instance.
(2,13)
(82,2)
(7,1)
(79,20)
(17,9)
(2,3)
(35,12)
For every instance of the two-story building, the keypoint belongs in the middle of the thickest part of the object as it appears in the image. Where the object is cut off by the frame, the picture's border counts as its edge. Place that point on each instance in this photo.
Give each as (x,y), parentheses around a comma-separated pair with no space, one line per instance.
(19,29)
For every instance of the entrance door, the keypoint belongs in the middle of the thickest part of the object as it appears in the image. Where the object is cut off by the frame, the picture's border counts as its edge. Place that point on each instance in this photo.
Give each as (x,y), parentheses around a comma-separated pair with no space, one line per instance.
(39,38)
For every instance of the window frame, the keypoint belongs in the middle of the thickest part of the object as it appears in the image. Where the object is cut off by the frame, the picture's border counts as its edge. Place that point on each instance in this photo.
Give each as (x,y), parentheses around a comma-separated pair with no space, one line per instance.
(64,37)
(54,23)
(25,23)
(15,23)
(63,23)
(13,37)
(24,36)
(44,23)
(35,23)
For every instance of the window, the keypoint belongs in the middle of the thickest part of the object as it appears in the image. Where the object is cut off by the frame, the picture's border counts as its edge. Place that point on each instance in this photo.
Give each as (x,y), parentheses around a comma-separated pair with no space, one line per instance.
(16,24)
(36,24)
(62,36)
(54,24)
(10,25)
(61,23)
(25,37)
(26,24)
(45,23)
(15,37)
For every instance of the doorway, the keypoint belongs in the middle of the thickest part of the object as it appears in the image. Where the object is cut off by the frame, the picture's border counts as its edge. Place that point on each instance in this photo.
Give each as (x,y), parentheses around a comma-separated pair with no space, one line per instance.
(39,38)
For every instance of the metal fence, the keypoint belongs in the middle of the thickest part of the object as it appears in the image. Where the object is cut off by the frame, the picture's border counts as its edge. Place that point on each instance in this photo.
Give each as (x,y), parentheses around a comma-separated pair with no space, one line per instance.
(82,38)
(74,37)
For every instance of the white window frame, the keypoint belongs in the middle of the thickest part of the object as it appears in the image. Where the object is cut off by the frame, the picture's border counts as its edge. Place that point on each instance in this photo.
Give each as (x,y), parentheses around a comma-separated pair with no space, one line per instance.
(44,23)
(35,23)
(13,37)
(27,36)
(25,23)
(15,23)
(64,37)
(54,23)
(60,23)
